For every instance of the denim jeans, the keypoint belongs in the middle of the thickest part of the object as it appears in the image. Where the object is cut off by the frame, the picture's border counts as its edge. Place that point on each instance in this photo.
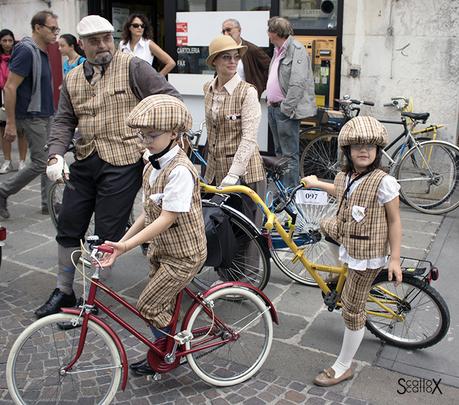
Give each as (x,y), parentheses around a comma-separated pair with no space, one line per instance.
(286,143)
(36,131)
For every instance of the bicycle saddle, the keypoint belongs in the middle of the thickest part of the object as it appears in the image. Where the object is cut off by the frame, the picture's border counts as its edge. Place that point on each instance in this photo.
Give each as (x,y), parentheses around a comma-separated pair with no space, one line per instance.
(417,116)
(274,164)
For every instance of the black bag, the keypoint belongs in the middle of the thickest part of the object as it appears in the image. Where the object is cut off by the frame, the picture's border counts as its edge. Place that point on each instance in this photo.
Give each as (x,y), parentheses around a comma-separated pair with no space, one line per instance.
(221,242)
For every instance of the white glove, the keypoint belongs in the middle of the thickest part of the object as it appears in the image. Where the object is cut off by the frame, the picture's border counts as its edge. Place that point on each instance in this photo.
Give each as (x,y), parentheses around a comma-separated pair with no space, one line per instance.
(58,169)
(229,180)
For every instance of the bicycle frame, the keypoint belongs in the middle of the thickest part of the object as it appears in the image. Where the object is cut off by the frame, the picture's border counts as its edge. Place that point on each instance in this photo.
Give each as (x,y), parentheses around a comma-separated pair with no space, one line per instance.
(312,268)
(164,359)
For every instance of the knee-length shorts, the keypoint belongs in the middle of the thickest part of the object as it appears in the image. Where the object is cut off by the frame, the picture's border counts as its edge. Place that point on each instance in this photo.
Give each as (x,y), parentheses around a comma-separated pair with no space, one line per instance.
(354,297)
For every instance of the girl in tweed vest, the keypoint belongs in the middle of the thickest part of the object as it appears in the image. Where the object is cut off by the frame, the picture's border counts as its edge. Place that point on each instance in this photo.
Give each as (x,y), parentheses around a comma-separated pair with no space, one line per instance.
(172,220)
(366,225)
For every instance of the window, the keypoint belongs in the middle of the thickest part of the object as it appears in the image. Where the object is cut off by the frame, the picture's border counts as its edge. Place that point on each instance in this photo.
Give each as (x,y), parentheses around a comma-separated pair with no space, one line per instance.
(310,14)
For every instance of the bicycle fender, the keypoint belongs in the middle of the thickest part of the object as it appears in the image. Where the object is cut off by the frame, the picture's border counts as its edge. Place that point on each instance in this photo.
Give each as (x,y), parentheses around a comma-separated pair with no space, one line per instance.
(218,287)
(113,335)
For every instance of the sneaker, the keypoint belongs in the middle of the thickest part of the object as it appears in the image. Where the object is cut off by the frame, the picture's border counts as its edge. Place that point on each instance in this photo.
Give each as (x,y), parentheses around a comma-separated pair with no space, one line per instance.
(6,167)
(21,165)
(3,210)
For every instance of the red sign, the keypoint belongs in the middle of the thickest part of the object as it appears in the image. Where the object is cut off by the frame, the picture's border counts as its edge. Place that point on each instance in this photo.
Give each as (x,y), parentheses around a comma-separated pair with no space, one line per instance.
(182,40)
(181,27)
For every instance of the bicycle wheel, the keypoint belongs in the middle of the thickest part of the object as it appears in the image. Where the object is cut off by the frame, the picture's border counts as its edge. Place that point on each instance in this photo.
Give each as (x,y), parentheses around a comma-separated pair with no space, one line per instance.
(34,370)
(55,195)
(250,265)
(397,152)
(320,156)
(308,237)
(240,334)
(425,314)
(428,175)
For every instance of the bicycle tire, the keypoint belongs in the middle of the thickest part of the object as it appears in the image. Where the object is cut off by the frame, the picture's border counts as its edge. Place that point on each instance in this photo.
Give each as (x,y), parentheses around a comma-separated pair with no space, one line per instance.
(248,326)
(55,196)
(397,151)
(256,273)
(428,175)
(307,236)
(45,343)
(413,332)
(320,156)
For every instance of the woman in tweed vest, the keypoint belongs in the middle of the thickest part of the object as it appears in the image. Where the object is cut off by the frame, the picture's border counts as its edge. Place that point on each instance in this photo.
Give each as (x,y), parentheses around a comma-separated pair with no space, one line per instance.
(366,224)
(172,220)
(232,118)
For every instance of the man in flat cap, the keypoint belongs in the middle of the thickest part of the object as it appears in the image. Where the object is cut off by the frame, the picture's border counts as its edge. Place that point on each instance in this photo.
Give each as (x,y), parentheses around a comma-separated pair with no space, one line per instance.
(96,97)
(172,218)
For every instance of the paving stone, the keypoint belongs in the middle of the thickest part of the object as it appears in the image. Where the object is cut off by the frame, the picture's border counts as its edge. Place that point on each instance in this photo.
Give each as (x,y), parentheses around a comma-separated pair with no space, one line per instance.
(315,401)
(295,396)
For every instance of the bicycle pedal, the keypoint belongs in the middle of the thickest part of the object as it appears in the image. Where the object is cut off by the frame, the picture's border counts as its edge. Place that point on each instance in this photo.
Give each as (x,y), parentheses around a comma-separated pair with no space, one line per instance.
(154,377)
(330,300)
(183,337)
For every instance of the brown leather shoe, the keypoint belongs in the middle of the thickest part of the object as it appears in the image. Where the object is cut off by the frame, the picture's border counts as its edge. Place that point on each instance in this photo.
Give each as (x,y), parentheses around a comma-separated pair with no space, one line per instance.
(327,377)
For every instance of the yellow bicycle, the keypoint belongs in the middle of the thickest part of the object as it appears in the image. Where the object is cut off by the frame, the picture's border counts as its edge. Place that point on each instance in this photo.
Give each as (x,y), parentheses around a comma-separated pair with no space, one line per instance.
(412,315)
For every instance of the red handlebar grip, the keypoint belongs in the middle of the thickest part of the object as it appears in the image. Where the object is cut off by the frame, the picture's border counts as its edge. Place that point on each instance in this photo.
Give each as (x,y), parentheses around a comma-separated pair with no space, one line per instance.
(105,248)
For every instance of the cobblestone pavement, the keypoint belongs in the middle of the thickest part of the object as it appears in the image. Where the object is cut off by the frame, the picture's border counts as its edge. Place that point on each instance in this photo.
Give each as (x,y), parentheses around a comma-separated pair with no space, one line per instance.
(180,386)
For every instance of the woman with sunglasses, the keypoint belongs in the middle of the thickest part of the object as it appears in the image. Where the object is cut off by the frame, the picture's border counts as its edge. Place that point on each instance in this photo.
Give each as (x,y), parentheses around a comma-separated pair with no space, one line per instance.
(233,114)
(137,39)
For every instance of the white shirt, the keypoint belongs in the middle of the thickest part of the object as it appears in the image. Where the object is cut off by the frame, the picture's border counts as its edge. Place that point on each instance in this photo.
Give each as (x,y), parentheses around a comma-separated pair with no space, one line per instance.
(178,192)
(387,191)
(240,69)
(141,49)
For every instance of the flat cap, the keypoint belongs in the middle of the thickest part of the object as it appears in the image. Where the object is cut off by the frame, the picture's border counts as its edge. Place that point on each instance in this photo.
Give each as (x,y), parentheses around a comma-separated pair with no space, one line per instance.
(161,112)
(92,25)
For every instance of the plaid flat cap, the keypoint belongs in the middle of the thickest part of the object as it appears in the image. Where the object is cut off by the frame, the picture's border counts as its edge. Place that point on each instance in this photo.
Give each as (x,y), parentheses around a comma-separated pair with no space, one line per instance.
(161,112)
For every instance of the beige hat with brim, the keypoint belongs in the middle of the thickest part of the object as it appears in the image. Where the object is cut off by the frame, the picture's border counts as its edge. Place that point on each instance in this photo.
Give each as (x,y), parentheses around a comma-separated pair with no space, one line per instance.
(221,44)
(161,112)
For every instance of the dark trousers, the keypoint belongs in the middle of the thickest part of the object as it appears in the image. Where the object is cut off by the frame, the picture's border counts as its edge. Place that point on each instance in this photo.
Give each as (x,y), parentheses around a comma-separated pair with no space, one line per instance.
(103,189)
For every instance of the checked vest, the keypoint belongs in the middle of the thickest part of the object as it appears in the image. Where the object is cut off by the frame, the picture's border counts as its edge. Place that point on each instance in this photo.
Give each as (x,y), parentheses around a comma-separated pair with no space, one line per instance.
(224,136)
(102,109)
(367,239)
(186,238)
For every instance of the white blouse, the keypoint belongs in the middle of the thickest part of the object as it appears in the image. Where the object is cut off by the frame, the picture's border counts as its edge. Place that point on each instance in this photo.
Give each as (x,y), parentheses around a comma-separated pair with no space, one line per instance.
(387,191)
(141,49)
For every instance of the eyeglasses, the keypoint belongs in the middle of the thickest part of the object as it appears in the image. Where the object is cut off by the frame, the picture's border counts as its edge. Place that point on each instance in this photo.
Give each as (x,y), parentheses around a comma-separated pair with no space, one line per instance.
(226,30)
(228,58)
(367,147)
(138,25)
(148,136)
(54,30)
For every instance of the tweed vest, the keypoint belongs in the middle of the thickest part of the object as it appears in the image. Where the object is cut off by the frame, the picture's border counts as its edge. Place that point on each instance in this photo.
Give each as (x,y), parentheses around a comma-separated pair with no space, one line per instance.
(102,109)
(224,136)
(368,238)
(186,238)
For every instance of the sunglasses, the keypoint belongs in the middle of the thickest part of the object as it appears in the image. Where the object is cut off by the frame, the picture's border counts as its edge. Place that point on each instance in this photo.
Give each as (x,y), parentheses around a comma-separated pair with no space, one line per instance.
(228,58)
(54,30)
(224,30)
(138,25)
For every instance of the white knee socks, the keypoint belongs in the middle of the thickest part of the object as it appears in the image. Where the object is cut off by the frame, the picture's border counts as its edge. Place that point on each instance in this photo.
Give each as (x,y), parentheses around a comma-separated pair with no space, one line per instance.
(351,343)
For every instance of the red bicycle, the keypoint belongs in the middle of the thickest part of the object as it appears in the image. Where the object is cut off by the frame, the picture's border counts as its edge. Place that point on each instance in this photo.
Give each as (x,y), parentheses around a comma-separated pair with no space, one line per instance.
(225,336)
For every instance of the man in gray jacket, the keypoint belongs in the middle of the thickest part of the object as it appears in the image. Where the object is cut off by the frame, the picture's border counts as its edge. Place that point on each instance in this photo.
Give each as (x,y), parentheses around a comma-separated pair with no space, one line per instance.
(290,94)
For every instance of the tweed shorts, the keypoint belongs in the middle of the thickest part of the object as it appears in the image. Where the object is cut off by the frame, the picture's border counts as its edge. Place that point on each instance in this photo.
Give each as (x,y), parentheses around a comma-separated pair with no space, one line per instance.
(354,297)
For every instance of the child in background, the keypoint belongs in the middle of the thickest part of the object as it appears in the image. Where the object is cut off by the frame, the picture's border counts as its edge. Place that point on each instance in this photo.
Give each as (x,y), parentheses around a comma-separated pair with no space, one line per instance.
(366,225)
(172,218)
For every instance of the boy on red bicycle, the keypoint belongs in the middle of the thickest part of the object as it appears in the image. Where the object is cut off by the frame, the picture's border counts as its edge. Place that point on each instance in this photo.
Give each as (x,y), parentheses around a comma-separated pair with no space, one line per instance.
(172,220)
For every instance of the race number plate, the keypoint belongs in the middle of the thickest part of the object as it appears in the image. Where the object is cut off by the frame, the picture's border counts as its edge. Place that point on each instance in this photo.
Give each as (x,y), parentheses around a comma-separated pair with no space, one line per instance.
(314,197)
